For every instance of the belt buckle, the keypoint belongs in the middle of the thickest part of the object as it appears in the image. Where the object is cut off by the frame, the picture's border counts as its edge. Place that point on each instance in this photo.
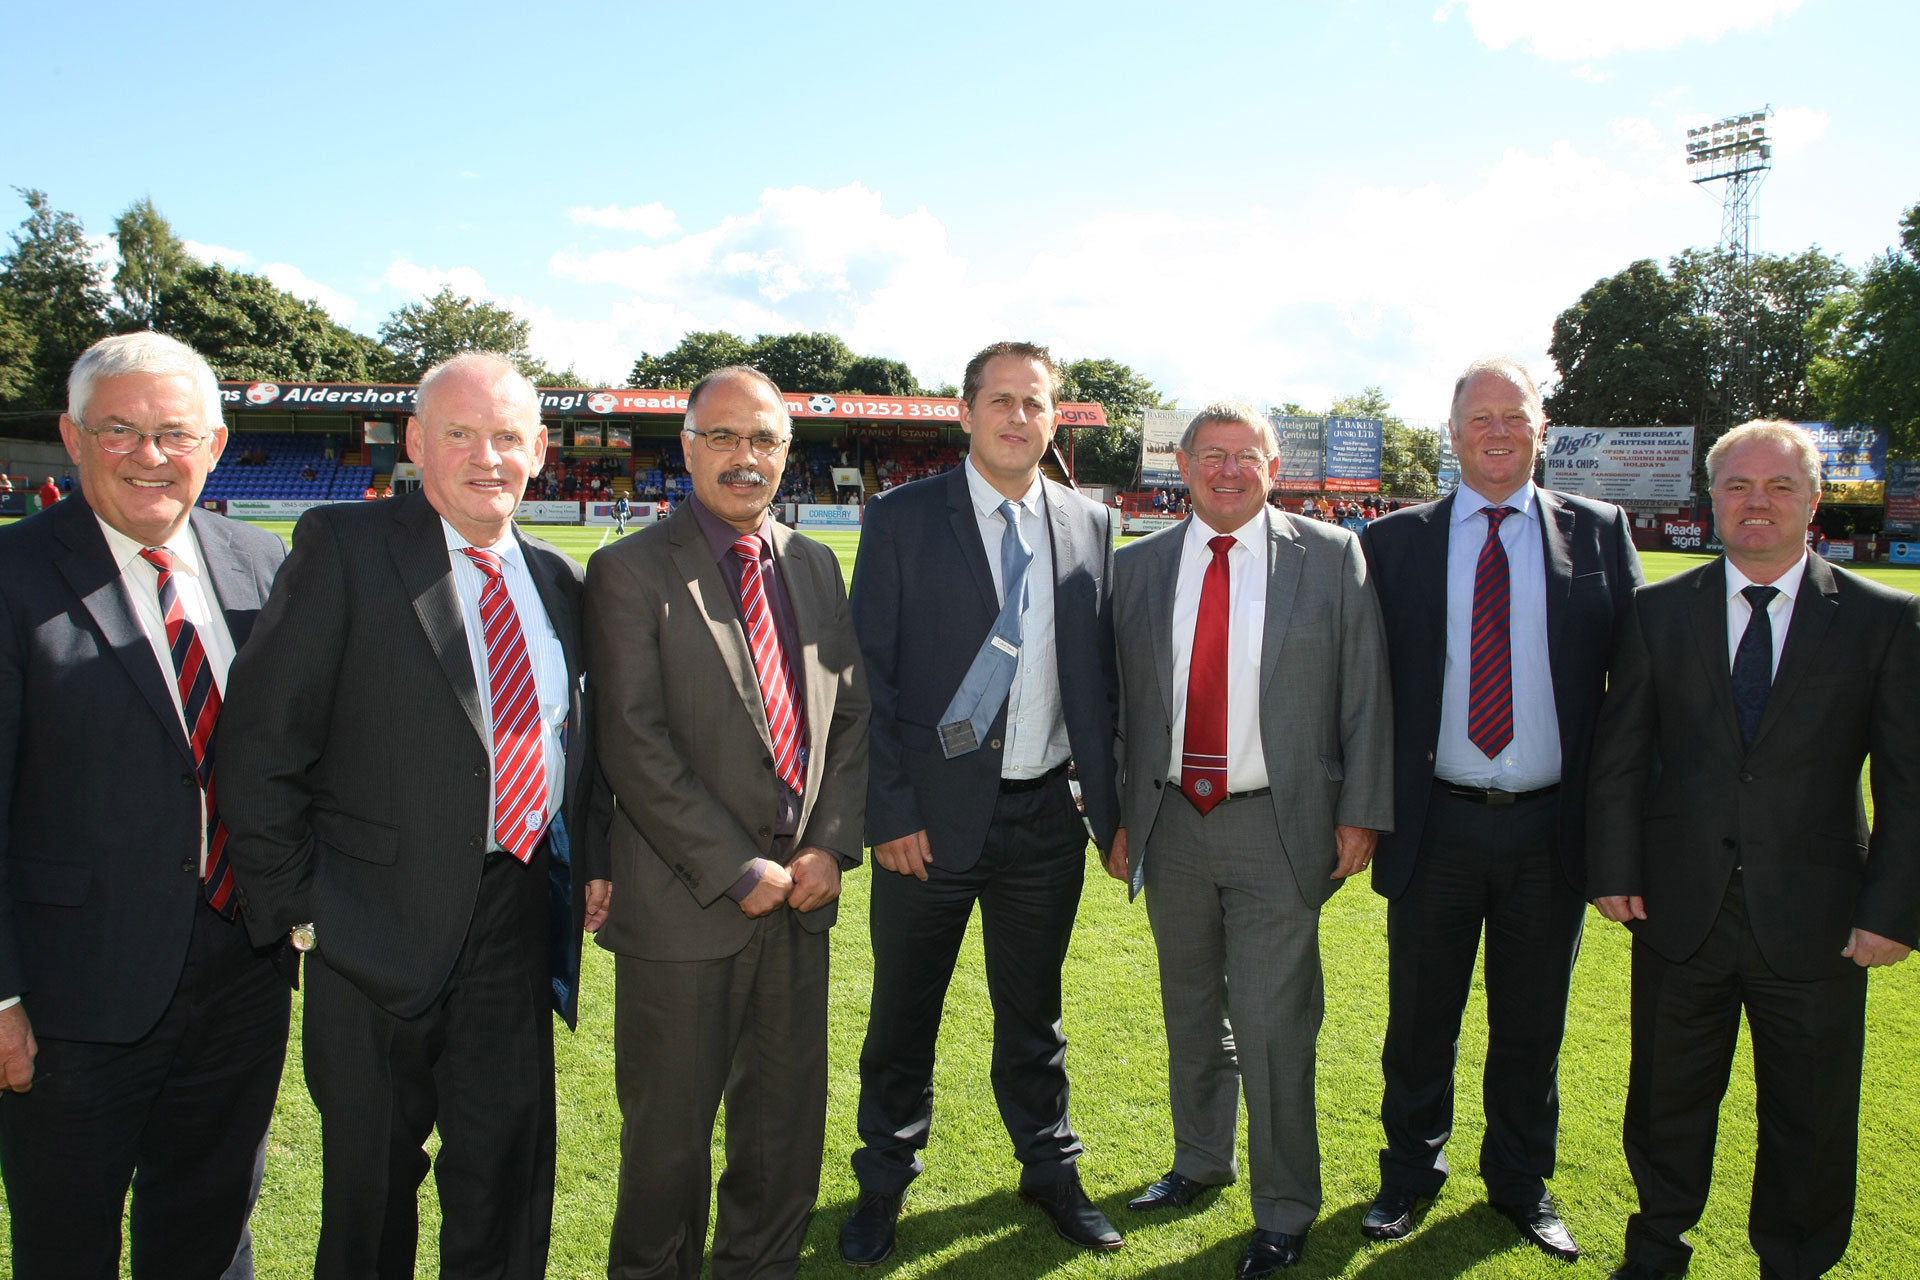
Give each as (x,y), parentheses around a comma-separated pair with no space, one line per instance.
(1495,796)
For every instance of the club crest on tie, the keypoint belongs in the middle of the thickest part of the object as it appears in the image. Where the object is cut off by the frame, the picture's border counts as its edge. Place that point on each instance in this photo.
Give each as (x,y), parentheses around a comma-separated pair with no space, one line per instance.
(533,819)
(1203,786)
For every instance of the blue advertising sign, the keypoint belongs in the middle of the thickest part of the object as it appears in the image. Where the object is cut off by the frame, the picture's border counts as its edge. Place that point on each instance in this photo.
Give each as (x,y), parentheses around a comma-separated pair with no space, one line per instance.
(1903,494)
(1353,455)
(1855,461)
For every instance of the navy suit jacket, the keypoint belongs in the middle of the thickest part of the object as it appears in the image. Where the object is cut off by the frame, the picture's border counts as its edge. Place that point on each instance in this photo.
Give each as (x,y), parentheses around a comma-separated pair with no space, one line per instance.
(923,603)
(1592,570)
(100,852)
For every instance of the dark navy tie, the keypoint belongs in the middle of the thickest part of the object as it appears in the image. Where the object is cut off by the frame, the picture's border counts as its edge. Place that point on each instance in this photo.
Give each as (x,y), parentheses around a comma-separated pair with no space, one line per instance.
(1753,663)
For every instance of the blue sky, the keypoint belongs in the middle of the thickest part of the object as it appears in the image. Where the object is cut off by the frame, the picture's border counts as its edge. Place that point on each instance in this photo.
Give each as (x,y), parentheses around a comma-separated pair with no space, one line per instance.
(1284,201)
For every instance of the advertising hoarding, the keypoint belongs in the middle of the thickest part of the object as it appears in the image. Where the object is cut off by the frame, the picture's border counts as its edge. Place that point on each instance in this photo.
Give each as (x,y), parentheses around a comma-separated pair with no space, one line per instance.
(1160,431)
(1353,455)
(1649,466)
(1303,450)
(1854,463)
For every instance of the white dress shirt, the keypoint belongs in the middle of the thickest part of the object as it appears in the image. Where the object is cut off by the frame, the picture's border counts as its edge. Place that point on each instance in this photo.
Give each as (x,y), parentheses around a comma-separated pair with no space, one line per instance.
(549,660)
(1532,759)
(1779,609)
(1246,631)
(1036,738)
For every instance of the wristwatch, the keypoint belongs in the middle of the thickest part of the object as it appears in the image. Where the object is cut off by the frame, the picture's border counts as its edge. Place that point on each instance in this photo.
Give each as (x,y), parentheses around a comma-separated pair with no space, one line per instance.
(302,936)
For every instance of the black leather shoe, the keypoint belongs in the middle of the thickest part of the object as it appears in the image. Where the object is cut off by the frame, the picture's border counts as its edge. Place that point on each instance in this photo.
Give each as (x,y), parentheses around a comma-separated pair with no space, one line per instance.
(1268,1251)
(1541,1224)
(1175,1191)
(1631,1270)
(866,1237)
(1391,1215)
(1073,1215)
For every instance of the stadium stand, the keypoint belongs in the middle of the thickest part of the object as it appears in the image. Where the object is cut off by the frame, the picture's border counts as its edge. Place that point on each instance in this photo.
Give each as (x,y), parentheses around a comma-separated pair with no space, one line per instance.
(258,465)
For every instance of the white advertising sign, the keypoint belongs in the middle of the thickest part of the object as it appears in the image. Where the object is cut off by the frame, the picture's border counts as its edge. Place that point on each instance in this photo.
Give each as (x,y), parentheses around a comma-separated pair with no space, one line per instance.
(1638,465)
(270,508)
(1148,523)
(1160,432)
(548,513)
(829,515)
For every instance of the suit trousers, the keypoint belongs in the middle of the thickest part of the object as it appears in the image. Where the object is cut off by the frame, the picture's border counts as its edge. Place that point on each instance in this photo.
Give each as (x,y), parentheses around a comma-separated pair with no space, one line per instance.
(751,1027)
(1808,1042)
(179,1115)
(1242,997)
(478,1065)
(1027,882)
(1496,865)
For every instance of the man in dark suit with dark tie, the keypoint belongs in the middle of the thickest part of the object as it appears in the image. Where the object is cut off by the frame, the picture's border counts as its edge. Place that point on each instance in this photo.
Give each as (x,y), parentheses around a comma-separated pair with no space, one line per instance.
(981,598)
(1726,830)
(141,1032)
(1501,603)
(413,770)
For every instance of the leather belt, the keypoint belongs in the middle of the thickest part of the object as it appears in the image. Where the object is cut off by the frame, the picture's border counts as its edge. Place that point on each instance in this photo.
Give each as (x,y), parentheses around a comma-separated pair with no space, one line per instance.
(1493,795)
(1013,786)
(1231,795)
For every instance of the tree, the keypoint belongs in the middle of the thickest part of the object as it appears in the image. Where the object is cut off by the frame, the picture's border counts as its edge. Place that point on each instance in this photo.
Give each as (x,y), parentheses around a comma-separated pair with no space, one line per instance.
(1110,454)
(801,361)
(250,330)
(16,353)
(151,259)
(559,378)
(52,289)
(697,355)
(1409,457)
(422,334)
(1635,351)
(1866,363)
(878,376)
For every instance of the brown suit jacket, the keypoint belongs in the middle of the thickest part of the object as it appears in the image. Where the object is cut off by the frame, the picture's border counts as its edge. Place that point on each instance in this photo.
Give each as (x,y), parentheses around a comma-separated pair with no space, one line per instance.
(688,759)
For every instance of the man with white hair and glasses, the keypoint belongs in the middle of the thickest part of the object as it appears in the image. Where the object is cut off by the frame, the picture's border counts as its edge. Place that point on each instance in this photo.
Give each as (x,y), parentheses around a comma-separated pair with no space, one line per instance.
(141,1032)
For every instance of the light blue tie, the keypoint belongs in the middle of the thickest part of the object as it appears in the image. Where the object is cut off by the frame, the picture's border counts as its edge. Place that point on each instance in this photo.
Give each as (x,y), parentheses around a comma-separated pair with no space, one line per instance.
(984,691)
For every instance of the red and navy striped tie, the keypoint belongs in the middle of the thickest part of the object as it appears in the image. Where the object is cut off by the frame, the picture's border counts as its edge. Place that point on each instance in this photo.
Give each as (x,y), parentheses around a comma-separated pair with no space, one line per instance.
(786,722)
(519,753)
(200,708)
(1490,693)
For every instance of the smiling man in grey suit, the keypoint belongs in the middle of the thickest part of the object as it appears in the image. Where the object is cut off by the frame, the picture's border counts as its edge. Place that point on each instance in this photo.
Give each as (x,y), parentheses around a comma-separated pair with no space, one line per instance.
(1257,773)
(410,755)
(733,733)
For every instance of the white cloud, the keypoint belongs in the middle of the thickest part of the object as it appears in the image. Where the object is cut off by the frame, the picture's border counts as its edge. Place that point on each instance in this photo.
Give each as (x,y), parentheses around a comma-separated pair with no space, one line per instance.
(208,254)
(653,220)
(1591,76)
(1796,129)
(423,282)
(285,275)
(1573,32)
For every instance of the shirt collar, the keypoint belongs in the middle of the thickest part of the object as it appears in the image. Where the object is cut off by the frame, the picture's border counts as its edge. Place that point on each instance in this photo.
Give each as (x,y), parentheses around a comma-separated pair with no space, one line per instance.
(721,536)
(1467,503)
(1252,535)
(987,499)
(508,548)
(125,550)
(1788,583)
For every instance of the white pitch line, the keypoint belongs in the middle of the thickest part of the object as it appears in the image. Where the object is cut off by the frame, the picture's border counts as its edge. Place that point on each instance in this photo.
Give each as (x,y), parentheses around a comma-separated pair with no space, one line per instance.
(604,535)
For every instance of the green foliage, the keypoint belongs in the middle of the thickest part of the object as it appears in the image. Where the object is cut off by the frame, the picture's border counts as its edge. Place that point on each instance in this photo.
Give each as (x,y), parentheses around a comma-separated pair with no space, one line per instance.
(560,378)
(1110,454)
(16,353)
(697,355)
(52,290)
(151,259)
(249,329)
(878,376)
(422,334)
(801,361)
(1866,366)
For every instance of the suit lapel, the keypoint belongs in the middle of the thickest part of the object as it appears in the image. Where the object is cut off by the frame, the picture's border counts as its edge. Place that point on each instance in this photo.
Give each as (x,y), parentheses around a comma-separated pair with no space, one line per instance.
(235,589)
(561,617)
(419,549)
(1813,611)
(1285,556)
(966,532)
(1556,535)
(1710,634)
(1163,576)
(85,561)
(1429,564)
(693,558)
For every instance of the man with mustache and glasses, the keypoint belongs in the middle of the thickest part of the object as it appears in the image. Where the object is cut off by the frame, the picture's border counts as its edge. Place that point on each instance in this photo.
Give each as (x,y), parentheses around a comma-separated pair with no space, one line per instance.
(733,733)
(981,598)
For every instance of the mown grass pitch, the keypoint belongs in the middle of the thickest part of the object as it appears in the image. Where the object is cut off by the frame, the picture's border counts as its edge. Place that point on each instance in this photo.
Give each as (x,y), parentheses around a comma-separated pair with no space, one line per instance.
(963,1219)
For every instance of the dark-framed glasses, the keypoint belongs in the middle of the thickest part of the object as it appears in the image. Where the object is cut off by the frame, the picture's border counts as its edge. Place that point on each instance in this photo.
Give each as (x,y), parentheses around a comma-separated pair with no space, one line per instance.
(721,440)
(175,442)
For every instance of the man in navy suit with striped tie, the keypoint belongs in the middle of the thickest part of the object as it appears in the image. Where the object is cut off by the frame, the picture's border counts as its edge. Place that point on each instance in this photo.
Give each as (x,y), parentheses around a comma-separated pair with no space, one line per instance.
(141,1032)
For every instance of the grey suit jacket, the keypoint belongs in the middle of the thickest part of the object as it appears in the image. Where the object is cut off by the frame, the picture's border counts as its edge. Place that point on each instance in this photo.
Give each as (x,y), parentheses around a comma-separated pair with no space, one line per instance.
(358,772)
(1326,726)
(99,851)
(684,744)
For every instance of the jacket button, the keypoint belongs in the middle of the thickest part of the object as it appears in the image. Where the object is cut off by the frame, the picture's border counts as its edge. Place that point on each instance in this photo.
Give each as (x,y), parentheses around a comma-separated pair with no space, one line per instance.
(994,743)
(476,842)
(188,780)
(1429,757)
(1726,842)
(189,865)
(766,762)
(766,831)
(1157,784)
(1746,777)
(479,771)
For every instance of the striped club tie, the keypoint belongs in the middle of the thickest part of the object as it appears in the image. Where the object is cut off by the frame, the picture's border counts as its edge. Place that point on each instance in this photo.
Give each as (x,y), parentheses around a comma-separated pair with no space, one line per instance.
(1490,682)
(786,723)
(519,756)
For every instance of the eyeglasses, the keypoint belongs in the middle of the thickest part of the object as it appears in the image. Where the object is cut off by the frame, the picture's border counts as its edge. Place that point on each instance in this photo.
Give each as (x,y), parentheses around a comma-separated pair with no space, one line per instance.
(176,443)
(1214,459)
(721,440)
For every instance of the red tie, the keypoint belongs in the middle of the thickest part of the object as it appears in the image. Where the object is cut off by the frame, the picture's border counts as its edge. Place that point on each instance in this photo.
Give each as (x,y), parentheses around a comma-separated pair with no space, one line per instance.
(1490,687)
(1203,756)
(785,723)
(519,751)
(200,708)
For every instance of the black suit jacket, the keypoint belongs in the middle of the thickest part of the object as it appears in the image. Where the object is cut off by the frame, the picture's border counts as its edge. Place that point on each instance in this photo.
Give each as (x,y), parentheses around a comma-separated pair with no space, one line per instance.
(1592,570)
(362,802)
(1677,799)
(923,603)
(99,855)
